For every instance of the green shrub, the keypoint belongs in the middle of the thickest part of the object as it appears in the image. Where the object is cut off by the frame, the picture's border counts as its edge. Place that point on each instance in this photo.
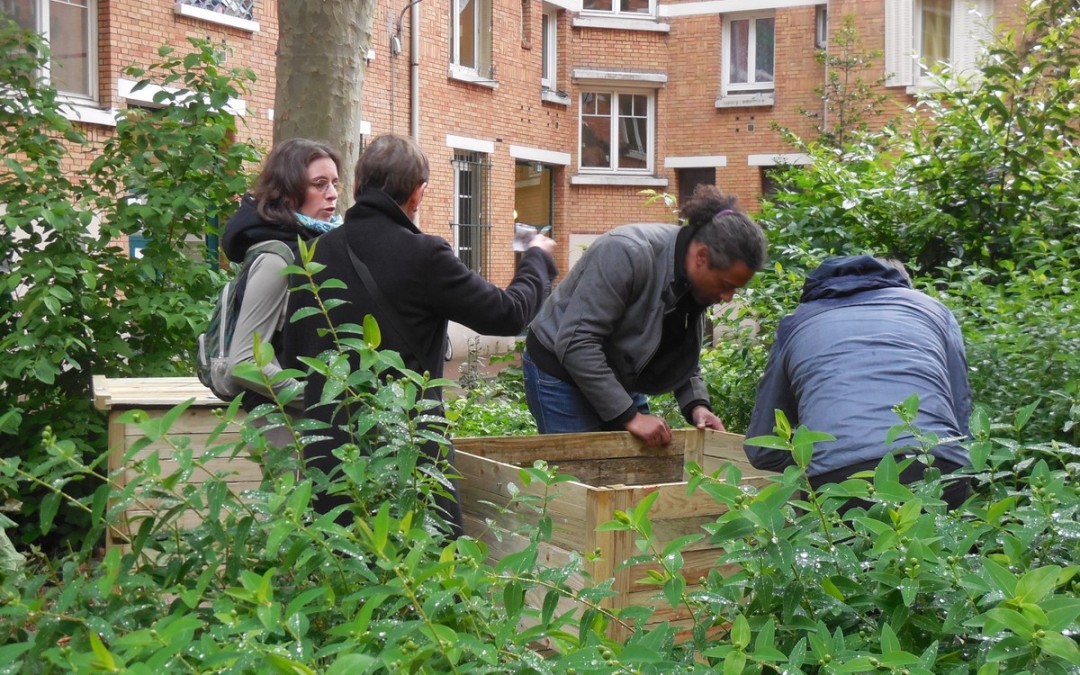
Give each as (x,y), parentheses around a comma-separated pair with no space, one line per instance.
(74,302)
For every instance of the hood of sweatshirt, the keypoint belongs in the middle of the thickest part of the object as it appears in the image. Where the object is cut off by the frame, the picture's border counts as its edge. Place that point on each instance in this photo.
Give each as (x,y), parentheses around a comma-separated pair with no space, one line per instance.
(843,276)
(247,227)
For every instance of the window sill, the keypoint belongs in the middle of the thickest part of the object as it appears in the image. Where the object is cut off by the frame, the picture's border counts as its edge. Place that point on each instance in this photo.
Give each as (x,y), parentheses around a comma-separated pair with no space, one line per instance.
(145,97)
(87,113)
(645,23)
(201,14)
(746,100)
(556,97)
(646,180)
(472,77)
(926,88)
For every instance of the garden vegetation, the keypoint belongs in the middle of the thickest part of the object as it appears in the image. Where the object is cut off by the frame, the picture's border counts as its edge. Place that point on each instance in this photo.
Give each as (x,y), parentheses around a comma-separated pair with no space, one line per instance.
(974,187)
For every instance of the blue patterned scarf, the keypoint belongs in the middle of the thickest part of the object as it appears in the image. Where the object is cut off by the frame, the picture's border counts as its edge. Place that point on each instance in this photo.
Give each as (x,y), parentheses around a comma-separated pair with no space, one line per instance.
(316,225)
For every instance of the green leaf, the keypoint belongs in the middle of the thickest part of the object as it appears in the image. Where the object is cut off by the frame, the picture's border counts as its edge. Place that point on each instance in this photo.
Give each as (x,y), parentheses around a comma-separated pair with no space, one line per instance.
(1036,584)
(513,598)
(351,664)
(772,442)
(103,659)
(740,632)
(371,331)
(1060,646)
(551,601)
(1001,578)
(734,663)
(889,642)
(1024,414)
(50,504)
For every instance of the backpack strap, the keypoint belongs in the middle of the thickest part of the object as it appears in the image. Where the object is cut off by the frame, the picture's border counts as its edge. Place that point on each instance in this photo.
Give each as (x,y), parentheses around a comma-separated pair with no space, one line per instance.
(275,246)
(380,301)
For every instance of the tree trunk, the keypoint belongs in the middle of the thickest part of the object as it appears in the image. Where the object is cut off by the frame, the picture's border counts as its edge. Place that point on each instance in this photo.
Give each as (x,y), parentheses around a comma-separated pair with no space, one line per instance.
(320,76)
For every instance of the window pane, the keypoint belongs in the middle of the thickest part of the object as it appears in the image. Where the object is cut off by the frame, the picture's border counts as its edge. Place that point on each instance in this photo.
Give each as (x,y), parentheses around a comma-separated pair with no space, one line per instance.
(23,12)
(936,26)
(597,5)
(739,51)
(69,39)
(545,35)
(634,6)
(633,132)
(596,130)
(763,51)
(466,33)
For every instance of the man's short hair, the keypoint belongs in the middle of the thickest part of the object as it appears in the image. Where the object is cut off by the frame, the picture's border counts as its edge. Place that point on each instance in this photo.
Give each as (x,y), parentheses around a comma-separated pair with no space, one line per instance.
(391,163)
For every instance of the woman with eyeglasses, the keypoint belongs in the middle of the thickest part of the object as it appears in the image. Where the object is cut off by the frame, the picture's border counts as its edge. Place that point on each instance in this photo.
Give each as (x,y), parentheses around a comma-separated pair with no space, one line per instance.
(295,197)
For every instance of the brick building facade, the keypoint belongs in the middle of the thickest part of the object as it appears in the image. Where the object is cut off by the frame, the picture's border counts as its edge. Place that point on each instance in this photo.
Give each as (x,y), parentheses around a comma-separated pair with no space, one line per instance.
(551,113)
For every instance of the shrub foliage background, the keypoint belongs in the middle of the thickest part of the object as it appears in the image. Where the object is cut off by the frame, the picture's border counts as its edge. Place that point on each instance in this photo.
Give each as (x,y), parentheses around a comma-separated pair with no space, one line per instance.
(73,302)
(974,188)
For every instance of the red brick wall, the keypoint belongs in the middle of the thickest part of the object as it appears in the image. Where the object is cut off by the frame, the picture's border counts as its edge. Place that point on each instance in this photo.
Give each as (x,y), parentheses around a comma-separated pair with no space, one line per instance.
(131,32)
(511,112)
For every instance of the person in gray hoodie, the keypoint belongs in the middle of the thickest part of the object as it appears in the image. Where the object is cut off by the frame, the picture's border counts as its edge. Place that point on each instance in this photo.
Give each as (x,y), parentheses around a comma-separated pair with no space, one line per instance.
(629,320)
(861,341)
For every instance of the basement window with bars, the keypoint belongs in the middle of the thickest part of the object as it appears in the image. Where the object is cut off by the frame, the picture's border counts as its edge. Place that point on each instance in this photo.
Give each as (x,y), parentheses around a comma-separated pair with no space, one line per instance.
(240,9)
(472,229)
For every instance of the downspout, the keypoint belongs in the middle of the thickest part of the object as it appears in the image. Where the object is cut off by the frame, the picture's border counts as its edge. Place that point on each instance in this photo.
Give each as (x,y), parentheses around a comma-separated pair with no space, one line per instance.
(825,85)
(414,71)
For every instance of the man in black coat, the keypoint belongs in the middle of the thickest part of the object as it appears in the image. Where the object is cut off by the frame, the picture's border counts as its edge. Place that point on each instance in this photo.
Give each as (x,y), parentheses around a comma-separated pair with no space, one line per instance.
(418,276)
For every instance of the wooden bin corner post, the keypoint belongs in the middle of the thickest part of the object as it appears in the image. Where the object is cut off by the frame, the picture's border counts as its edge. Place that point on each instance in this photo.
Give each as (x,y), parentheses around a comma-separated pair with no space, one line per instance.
(155,396)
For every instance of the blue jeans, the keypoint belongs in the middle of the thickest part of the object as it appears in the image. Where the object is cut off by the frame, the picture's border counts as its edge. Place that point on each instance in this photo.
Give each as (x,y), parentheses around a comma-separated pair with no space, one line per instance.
(559,407)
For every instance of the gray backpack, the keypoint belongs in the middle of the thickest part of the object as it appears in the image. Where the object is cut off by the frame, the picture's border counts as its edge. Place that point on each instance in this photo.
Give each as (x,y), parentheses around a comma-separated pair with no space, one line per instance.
(214,345)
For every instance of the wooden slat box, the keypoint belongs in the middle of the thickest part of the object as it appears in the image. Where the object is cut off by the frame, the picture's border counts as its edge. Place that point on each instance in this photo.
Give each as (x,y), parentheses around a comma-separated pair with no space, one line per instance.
(615,471)
(155,396)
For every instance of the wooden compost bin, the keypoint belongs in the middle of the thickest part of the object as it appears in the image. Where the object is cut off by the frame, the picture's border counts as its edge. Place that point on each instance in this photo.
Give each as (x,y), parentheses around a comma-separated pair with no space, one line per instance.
(156,396)
(614,472)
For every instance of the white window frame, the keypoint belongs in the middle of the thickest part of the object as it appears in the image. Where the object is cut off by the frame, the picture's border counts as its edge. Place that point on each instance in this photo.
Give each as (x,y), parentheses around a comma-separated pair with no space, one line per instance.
(972,23)
(752,87)
(43,12)
(614,129)
(617,11)
(549,46)
(480,39)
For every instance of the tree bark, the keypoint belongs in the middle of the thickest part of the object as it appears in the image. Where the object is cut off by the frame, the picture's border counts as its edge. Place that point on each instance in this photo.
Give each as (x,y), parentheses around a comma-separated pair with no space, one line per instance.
(320,76)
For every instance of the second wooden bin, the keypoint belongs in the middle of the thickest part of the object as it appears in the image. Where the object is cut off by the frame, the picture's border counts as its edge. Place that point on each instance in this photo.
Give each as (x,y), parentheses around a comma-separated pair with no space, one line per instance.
(614,472)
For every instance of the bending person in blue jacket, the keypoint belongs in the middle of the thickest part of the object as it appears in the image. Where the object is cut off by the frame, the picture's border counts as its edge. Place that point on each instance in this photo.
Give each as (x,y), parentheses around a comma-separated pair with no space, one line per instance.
(862,341)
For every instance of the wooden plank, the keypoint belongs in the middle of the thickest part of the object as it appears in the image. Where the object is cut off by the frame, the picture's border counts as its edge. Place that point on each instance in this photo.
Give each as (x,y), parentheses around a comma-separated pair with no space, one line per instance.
(144,500)
(191,421)
(554,448)
(225,445)
(722,448)
(231,470)
(140,392)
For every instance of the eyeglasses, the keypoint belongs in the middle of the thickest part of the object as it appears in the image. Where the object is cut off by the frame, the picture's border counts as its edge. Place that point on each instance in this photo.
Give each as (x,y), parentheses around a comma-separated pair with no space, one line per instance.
(322,184)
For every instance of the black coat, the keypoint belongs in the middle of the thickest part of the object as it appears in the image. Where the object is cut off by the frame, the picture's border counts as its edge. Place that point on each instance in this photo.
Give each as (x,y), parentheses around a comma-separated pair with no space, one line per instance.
(425,282)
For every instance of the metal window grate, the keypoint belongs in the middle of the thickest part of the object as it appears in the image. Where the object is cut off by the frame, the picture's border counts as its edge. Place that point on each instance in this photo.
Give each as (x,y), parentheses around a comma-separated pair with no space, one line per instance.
(472,237)
(241,9)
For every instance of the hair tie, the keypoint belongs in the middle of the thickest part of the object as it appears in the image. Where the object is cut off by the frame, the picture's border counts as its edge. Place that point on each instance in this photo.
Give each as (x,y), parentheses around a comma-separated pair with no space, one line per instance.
(724,213)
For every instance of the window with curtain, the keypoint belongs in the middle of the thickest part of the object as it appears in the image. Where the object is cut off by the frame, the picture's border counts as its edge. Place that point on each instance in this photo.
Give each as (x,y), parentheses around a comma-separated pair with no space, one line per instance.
(920,34)
(749,54)
(935,31)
